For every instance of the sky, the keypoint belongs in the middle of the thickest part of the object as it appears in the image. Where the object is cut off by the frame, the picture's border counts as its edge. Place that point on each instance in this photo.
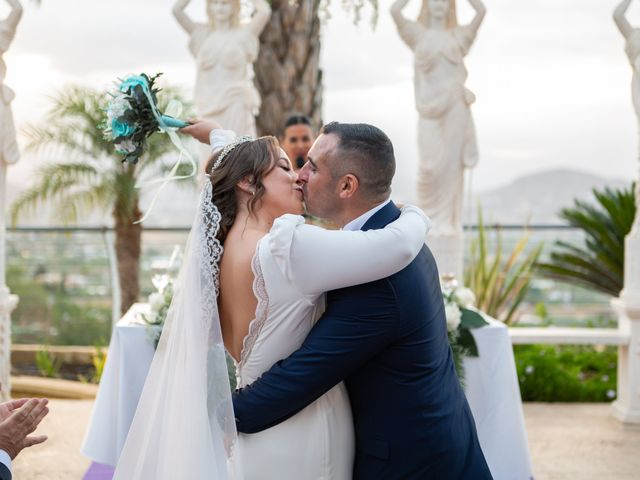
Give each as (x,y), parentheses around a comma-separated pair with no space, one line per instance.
(551,78)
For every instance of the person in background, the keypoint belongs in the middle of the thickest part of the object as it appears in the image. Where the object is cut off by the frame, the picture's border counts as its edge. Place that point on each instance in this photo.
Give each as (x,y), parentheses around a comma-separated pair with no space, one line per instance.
(297,138)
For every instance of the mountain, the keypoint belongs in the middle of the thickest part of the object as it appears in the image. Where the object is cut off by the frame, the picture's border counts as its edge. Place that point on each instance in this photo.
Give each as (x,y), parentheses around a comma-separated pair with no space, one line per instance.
(537,198)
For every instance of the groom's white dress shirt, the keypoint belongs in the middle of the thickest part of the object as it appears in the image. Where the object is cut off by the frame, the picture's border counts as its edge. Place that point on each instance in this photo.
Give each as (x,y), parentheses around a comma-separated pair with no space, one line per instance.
(5,459)
(359,222)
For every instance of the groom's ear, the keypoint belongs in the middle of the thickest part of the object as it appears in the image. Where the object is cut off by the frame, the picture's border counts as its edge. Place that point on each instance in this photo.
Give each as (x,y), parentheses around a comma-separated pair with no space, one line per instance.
(348,186)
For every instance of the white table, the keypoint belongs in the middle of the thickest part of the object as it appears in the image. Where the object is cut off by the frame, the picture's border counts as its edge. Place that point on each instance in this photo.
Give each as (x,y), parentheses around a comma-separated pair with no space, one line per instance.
(128,360)
(491,386)
(494,397)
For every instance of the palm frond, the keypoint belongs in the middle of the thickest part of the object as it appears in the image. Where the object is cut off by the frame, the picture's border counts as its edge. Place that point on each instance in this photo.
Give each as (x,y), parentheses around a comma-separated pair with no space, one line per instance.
(599,263)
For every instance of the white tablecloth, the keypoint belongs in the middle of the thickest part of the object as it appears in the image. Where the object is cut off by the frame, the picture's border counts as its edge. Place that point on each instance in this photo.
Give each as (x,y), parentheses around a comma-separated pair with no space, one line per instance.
(128,360)
(494,397)
(491,386)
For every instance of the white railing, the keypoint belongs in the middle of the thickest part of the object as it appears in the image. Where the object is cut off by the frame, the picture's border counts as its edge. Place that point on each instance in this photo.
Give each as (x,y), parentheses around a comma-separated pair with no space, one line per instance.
(626,337)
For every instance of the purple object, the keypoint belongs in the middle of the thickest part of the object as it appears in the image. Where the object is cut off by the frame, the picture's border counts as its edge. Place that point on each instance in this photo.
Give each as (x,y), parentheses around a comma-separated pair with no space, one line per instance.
(98,471)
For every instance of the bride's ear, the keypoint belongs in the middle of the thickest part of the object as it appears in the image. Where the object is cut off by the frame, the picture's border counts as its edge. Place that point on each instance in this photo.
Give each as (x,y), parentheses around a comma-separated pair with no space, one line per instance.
(246,185)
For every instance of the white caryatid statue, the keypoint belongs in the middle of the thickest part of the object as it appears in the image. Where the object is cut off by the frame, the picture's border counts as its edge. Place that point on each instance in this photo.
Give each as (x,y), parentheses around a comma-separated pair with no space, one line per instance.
(446,133)
(9,154)
(224,49)
(627,405)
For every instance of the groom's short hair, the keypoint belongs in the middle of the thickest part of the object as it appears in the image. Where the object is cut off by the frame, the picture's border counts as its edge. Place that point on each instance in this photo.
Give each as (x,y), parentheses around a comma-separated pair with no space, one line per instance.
(366,152)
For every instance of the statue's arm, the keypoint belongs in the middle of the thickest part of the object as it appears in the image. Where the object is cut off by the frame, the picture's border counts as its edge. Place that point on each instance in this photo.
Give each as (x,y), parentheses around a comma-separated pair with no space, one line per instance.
(15,15)
(183,19)
(620,17)
(396,11)
(260,16)
(481,11)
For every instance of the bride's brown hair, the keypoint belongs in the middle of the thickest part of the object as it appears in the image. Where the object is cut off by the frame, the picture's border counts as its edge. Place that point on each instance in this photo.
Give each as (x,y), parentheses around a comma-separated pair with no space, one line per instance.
(250,160)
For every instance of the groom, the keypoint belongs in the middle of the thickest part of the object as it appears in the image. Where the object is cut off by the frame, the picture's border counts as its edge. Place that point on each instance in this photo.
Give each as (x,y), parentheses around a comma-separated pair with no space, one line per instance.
(386,339)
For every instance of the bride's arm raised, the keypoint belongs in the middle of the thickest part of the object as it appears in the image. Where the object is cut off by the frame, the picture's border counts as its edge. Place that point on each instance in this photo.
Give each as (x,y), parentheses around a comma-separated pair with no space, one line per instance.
(316,260)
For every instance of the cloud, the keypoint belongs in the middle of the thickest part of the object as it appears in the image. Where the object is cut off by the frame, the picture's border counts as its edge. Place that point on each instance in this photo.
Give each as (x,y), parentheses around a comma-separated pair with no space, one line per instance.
(551,77)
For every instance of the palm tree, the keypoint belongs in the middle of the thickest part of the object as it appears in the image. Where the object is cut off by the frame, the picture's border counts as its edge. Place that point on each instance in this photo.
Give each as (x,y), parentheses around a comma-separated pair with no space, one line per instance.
(599,263)
(287,71)
(88,175)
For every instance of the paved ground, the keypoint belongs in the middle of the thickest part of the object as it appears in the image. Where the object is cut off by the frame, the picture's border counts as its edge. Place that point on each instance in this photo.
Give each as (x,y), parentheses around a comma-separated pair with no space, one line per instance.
(567,441)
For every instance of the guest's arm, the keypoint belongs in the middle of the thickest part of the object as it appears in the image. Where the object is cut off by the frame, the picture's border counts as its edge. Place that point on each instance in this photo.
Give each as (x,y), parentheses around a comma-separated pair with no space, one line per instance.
(18,419)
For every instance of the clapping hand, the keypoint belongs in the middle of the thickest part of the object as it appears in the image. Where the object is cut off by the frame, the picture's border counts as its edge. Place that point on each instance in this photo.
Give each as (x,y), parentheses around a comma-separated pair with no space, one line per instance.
(18,419)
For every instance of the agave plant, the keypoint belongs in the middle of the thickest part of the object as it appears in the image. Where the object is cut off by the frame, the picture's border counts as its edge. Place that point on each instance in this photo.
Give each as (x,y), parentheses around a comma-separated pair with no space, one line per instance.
(500,282)
(599,263)
(83,173)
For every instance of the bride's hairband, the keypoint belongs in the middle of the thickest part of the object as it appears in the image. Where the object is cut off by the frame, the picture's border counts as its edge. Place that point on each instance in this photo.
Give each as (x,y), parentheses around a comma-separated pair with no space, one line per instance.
(225,139)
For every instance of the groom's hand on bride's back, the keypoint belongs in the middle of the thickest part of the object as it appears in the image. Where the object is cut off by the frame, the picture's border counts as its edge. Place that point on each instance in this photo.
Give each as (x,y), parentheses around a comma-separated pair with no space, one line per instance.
(200,129)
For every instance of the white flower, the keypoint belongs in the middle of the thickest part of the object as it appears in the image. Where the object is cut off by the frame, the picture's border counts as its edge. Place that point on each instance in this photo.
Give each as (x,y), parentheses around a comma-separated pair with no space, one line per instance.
(611,394)
(126,146)
(117,106)
(452,312)
(529,370)
(152,317)
(156,300)
(465,297)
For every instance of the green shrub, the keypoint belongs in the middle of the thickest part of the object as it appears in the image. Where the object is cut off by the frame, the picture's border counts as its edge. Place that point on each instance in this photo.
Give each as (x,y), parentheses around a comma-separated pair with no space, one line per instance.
(47,364)
(549,373)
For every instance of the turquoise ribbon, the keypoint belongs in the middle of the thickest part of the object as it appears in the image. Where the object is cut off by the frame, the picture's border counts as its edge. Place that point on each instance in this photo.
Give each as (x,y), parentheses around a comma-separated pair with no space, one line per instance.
(167,125)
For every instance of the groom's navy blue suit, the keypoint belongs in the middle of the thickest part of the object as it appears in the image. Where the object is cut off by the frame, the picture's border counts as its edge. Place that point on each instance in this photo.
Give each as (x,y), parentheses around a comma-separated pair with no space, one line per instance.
(388,340)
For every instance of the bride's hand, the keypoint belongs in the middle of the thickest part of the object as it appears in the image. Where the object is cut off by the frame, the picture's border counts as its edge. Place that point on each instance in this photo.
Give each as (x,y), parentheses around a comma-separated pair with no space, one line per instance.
(200,129)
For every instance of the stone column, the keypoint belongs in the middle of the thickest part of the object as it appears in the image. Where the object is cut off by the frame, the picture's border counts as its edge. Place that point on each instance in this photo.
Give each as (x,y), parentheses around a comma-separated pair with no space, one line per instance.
(8,302)
(627,405)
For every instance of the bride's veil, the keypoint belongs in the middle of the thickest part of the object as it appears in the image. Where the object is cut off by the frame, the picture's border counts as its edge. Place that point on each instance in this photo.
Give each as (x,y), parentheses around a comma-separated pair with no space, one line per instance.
(184,425)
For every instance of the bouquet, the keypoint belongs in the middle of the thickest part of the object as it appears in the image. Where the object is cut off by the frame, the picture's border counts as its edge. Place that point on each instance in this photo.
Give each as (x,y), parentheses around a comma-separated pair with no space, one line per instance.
(461,316)
(133,116)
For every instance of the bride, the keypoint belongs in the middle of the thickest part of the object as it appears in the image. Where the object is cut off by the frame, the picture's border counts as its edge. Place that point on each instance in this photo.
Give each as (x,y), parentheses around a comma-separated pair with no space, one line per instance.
(244,301)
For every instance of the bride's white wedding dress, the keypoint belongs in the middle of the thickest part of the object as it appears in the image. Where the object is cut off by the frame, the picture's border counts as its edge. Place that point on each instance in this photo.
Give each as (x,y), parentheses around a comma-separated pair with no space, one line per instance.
(294,265)
(184,425)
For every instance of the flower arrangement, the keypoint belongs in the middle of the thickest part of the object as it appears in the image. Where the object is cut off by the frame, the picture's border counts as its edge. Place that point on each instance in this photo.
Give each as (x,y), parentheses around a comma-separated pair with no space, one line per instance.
(159,302)
(133,116)
(459,304)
